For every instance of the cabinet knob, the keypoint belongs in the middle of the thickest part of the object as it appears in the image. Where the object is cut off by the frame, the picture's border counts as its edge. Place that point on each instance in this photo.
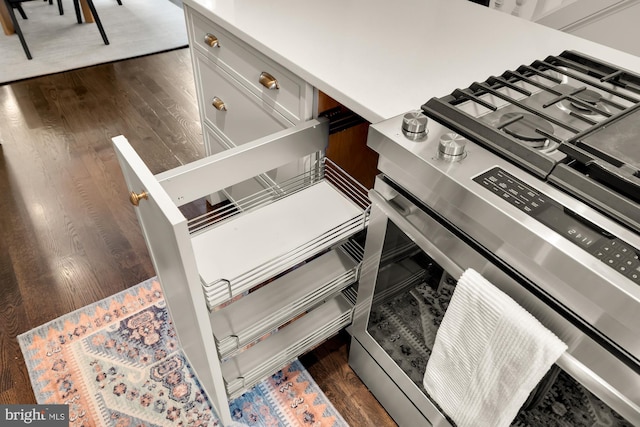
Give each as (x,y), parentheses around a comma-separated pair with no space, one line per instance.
(135,198)
(268,81)
(211,40)
(218,104)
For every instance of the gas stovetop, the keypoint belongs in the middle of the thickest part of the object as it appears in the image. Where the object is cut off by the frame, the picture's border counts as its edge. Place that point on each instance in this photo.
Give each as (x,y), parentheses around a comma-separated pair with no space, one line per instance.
(571,120)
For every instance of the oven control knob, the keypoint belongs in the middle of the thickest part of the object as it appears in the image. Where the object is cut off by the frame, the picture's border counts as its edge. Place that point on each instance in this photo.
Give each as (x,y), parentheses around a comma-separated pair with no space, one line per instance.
(414,125)
(452,146)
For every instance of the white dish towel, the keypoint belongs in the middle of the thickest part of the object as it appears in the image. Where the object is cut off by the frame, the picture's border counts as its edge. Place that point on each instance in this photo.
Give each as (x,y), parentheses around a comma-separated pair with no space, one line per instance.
(488,355)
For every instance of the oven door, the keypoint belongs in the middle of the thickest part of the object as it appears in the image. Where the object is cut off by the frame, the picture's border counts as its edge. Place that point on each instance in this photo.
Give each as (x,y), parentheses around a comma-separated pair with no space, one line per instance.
(413,258)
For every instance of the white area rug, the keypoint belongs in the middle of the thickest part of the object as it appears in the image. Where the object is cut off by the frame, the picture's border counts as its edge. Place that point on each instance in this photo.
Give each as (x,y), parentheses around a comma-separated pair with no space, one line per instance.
(58,43)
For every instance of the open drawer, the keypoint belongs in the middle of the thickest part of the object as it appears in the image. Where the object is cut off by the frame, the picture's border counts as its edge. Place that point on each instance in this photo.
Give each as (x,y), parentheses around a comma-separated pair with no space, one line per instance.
(289,296)
(237,273)
(266,357)
(274,230)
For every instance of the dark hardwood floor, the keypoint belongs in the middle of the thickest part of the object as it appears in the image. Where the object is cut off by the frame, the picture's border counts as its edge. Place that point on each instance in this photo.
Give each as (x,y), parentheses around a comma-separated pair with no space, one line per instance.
(68,234)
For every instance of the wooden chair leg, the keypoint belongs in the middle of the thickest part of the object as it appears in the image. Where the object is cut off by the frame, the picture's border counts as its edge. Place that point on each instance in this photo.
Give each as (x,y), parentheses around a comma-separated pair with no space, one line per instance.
(60,7)
(97,19)
(16,26)
(120,2)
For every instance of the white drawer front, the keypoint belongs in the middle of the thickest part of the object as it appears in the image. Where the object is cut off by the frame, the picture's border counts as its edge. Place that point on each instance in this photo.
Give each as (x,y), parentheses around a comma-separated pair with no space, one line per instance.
(293,98)
(242,119)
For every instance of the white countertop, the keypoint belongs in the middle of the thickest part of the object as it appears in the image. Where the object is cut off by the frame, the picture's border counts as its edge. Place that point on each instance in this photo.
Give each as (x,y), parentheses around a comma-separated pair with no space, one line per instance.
(382,58)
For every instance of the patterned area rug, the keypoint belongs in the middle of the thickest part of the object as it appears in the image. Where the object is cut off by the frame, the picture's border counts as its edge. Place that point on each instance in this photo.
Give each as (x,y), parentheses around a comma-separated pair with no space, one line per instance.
(118,363)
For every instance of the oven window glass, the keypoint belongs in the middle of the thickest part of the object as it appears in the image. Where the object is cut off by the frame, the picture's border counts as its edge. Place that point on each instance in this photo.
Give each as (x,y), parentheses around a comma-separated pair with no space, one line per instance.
(411,296)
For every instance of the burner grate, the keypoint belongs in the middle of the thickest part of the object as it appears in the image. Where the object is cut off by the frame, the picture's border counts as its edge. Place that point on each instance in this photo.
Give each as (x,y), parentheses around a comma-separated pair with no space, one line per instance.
(598,69)
(553,112)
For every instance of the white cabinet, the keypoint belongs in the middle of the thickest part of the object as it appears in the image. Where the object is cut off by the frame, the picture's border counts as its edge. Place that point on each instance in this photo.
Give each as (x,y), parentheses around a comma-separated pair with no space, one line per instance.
(242,96)
(234,276)
(239,75)
(230,109)
(612,23)
(266,274)
(572,14)
(618,28)
(534,10)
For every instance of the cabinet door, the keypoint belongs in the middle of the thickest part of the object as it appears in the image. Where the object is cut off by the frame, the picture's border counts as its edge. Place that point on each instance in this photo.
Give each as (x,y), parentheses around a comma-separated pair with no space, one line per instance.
(167,237)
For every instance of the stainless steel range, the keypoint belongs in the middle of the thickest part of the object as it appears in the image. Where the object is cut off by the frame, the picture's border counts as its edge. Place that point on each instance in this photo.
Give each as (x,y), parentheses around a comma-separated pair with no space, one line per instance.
(532,178)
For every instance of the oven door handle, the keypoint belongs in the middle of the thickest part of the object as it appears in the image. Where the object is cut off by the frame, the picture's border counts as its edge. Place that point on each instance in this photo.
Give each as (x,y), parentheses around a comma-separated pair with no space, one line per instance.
(572,366)
(414,234)
(598,386)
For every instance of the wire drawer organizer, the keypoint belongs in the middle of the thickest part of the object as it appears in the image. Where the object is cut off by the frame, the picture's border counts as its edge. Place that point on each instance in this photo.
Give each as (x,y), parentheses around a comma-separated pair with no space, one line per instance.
(244,322)
(240,246)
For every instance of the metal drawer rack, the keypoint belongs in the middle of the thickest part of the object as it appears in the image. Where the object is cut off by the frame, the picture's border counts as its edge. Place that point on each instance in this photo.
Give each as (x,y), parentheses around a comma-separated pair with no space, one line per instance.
(237,325)
(282,224)
(255,282)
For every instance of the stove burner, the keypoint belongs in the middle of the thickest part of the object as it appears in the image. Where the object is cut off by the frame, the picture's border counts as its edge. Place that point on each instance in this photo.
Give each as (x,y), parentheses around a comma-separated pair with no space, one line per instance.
(525,127)
(587,96)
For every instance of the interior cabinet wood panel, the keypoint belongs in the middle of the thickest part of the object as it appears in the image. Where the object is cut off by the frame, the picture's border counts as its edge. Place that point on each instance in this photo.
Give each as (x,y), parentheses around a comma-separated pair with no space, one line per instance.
(350,151)
(349,148)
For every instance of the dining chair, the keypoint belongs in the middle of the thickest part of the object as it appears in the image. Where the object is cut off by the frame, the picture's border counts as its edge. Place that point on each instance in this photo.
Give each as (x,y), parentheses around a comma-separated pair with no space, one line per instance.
(20,10)
(11,4)
(60,4)
(24,16)
(18,7)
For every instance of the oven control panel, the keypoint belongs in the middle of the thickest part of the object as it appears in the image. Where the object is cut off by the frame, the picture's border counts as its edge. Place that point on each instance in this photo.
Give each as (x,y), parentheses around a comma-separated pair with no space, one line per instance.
(609,249)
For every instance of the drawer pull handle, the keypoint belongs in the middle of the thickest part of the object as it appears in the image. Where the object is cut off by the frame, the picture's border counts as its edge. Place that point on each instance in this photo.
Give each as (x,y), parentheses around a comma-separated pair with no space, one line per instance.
(268,81)
(218,104)
(135,198)
(211,40)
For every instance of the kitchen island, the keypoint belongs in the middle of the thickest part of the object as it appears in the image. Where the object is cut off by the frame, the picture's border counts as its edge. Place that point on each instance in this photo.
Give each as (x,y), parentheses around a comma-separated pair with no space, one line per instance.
(381,60)
(260,68)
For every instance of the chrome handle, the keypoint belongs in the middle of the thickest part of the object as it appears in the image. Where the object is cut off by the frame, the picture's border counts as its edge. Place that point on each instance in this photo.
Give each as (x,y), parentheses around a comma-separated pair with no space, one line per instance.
(211,40)
(598,386)
(135,198)
(414,234)
(268,81)
(218,104)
